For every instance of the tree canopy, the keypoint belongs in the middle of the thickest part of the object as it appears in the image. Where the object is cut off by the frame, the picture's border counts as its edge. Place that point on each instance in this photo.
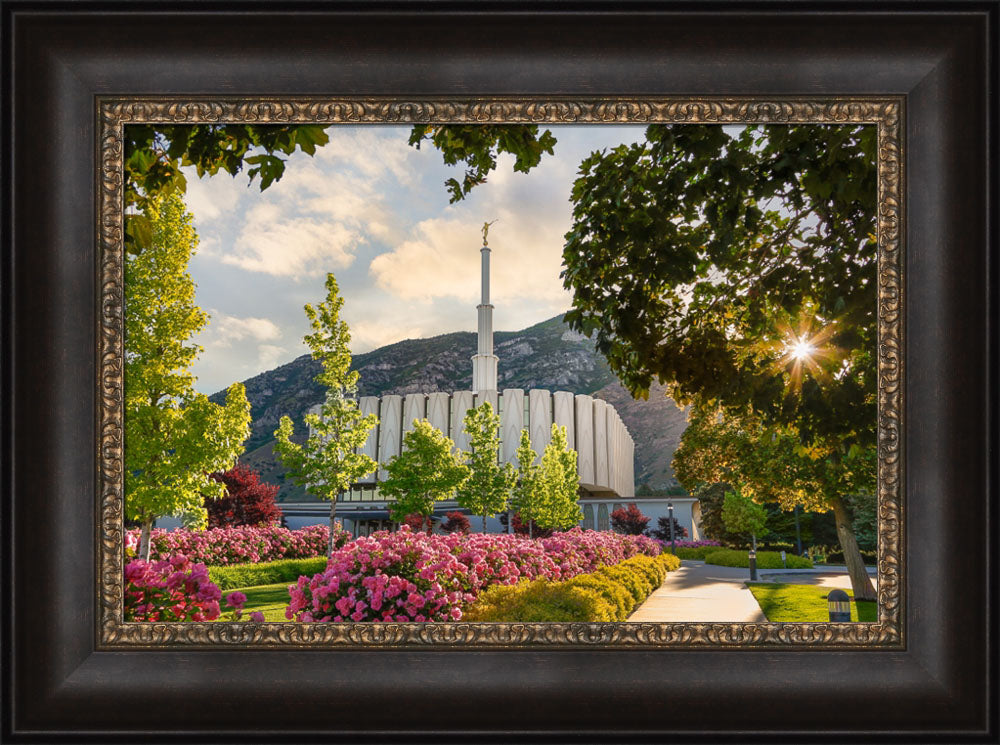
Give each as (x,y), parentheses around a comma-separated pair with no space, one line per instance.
(174,436)
(427,471)
(155,154)
(328,462)
(487,490)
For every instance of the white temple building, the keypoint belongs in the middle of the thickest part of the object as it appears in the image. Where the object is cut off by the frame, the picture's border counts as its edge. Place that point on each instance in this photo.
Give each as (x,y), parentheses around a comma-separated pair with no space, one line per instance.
(605,450)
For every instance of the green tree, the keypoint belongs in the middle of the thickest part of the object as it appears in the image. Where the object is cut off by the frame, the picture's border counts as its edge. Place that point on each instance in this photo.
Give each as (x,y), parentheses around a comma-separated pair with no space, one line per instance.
(527,492)
(770,464)
(174,436)
(155,154)
(477,145)
(328,462)
(487,490)
(559,484)
(427,471)
(742,515)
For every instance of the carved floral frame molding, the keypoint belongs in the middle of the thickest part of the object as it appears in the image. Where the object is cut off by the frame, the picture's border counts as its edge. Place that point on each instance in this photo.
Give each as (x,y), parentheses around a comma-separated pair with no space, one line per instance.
(113,114)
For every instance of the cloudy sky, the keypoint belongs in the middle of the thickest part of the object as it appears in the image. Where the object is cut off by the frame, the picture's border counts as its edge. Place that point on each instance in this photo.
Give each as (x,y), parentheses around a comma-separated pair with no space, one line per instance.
(374,211)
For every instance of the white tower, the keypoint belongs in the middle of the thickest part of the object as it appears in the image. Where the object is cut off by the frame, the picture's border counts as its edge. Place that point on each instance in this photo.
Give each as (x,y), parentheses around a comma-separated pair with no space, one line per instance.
(484,362)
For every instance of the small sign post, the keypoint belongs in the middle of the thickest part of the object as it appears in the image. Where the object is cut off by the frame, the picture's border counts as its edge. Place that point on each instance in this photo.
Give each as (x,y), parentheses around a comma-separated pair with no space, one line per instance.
(783,562)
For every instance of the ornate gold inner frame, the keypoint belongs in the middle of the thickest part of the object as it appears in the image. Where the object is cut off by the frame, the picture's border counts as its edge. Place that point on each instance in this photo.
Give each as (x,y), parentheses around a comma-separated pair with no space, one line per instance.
(884,112)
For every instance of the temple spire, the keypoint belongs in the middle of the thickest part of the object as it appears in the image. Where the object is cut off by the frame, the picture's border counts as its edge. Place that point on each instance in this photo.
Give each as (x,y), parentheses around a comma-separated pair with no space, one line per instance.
(484,362)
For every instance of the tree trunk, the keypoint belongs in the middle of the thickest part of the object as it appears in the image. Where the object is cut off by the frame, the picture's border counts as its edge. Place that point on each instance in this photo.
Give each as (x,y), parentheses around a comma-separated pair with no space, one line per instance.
(484,523)
(333,522)
(147,528)
(430,525)
(531,528)
(510,522)
(860,581)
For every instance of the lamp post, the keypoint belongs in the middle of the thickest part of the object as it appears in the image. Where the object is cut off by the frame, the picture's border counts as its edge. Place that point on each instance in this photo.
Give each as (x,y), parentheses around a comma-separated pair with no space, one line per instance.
(798,533)
(670,518)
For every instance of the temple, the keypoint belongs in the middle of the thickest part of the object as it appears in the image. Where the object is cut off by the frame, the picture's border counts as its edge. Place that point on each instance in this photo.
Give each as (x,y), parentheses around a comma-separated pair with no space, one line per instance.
(605,450)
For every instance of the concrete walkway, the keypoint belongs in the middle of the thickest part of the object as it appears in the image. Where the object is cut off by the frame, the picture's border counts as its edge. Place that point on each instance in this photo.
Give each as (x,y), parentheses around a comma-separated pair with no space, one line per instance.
(700,592)
(704,592)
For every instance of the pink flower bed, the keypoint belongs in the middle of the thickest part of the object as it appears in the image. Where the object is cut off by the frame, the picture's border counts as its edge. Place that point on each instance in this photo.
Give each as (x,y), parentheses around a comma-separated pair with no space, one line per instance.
(689,544)
(238,545)
(175,590)
(407,576)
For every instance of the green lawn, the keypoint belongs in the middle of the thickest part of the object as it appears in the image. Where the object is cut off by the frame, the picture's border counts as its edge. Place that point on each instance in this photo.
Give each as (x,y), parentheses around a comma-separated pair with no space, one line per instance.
(269,599)
(781,602)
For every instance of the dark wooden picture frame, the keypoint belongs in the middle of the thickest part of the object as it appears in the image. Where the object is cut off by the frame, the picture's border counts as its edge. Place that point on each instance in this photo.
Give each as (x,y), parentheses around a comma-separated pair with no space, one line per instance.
(59,683)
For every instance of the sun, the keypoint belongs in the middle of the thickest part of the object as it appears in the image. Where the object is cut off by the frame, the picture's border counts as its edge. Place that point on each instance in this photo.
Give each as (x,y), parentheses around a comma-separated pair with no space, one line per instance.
(802,350)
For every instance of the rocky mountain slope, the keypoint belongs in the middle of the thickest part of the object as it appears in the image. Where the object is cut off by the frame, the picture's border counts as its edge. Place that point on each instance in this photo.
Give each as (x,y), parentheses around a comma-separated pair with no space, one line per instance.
(548,355)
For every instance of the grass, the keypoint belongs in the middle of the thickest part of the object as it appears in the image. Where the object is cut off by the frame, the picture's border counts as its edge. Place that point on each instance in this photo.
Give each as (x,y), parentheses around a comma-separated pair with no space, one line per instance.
(271,600)
(237,576)
(798,603)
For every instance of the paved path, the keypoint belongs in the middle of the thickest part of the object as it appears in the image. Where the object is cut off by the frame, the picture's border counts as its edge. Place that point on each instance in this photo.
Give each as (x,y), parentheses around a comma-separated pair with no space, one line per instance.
(704,592)
(701,592)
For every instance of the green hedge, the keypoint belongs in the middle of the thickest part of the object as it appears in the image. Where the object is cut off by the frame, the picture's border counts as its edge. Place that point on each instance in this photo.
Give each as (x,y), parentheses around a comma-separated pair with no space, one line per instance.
(730,557)
(265,573)
(696,553)
(609,594)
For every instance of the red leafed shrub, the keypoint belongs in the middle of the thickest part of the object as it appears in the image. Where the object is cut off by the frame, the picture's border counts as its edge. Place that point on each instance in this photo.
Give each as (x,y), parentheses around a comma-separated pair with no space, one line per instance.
(529,528)
(456,523)
(418,522)
(248,500)
(629,521)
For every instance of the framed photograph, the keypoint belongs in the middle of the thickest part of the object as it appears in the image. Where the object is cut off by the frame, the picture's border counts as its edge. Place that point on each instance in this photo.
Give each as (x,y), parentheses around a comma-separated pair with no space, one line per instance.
(848,156)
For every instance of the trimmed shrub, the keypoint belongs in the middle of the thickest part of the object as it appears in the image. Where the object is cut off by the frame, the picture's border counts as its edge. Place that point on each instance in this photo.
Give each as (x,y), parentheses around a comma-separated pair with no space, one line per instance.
(730,557)
(407,576)
(264,573)
(609,594)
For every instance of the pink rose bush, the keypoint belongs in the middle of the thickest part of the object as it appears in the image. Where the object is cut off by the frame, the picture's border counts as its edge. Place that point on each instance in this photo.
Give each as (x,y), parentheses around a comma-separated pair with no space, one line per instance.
(175,589)
(239,544)
(411,576)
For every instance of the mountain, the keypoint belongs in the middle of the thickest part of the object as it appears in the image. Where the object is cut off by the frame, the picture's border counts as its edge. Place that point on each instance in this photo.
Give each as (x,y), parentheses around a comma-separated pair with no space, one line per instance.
(547,355)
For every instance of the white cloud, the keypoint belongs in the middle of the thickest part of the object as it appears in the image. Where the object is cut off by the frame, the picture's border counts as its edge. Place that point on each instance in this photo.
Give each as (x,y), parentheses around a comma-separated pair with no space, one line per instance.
(225,329)
(269,355)
(210,197)
(442,259)
(277,243)
(367,334)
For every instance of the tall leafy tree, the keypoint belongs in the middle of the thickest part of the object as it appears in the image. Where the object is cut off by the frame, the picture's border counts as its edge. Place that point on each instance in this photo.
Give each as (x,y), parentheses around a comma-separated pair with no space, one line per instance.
(155,154)
(770,464)
(527,493)
(174,436)
(742,515)
(328,462)
(487,490)
(559,484)
(426,472)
